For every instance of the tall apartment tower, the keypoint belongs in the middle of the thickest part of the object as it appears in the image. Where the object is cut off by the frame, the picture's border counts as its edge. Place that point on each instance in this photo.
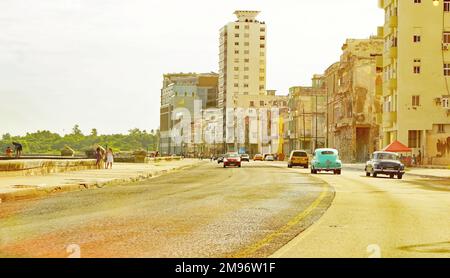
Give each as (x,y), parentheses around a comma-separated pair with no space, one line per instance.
(242,65)
(416,70)
(242,61)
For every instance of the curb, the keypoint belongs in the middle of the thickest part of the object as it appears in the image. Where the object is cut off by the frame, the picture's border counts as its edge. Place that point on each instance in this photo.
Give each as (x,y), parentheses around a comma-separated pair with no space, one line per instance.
(37,192)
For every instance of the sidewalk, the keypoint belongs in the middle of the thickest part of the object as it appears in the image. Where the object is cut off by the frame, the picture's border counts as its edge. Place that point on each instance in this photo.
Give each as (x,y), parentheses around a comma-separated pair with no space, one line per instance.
(420,172)
(25,187)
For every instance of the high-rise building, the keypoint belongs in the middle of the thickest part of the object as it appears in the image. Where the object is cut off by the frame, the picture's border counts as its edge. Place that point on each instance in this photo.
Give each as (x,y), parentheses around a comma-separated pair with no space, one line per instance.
(242,61)
(416,68)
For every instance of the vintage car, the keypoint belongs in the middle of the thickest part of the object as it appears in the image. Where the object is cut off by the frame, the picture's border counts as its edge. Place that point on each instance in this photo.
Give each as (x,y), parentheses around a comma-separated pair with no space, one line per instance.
(298,158)
(326,160)
(385,163)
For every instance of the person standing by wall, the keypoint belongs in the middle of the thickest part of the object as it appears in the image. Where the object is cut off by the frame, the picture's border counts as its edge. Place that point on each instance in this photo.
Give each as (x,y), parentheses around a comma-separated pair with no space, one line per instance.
(109,158)
(19,148)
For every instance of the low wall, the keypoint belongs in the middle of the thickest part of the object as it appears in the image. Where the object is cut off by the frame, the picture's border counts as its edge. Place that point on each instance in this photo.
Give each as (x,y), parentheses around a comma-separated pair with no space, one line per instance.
(39,167)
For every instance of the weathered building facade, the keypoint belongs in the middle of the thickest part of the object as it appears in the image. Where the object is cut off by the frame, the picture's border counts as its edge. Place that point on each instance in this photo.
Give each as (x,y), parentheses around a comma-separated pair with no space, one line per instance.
(353,102)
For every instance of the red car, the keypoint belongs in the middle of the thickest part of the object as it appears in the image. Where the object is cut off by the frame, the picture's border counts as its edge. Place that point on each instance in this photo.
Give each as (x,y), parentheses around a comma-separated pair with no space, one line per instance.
(232,159)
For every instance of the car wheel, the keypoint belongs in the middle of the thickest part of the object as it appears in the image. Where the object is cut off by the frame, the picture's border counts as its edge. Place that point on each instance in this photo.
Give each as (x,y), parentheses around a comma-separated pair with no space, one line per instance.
(392,176)
(367,174)
(289,166)
(374,175)
(339,172)
(400,176)
(306,166)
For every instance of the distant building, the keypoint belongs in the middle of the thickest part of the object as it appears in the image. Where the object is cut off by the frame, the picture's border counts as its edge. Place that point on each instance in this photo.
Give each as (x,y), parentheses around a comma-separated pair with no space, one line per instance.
(307,116)
(416,70)
(180,91)
(353,101)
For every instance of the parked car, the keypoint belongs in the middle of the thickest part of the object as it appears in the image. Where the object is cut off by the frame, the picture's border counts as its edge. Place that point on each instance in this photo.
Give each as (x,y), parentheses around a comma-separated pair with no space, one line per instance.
(298,158)
(232,159)
(258,157)
(220,159)
(269,158)
(245,157)
(385,163)
(326,160)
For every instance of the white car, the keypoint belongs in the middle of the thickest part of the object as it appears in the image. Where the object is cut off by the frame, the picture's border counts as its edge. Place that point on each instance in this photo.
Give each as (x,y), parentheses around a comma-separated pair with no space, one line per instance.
(270,158)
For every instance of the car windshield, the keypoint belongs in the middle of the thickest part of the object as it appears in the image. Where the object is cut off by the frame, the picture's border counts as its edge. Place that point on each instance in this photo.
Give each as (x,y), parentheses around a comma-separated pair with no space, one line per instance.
(328,153)
(299,154)
(233,155)
(386,156)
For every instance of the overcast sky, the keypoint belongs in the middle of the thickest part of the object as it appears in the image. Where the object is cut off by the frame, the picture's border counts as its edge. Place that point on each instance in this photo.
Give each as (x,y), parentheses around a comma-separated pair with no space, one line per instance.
(99,63)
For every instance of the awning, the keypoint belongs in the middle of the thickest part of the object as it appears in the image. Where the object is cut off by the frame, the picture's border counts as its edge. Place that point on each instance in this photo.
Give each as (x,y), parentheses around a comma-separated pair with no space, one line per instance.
(397,147)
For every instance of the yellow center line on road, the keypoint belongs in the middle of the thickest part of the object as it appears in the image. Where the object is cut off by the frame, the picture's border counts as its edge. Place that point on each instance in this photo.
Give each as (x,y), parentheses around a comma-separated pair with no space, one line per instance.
(294,221)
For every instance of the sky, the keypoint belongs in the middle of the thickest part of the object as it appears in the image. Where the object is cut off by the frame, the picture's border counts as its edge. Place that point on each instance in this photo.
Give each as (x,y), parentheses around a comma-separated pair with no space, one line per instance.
(99,63)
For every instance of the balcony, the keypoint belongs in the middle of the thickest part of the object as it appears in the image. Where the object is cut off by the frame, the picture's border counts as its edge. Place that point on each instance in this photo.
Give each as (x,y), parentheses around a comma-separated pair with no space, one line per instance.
(393,21)
(393,83)
(393,52)
(389,118)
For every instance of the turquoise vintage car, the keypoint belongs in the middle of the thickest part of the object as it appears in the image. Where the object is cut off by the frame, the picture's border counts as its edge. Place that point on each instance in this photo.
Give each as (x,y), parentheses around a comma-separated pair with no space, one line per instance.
(326,160)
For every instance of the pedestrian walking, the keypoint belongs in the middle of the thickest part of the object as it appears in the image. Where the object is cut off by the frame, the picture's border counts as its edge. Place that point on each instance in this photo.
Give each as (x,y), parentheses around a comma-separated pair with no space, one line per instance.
(19,148)
(109,158)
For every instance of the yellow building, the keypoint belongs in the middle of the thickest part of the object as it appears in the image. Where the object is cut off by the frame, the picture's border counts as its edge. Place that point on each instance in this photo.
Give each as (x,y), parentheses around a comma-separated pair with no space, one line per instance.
(416,66)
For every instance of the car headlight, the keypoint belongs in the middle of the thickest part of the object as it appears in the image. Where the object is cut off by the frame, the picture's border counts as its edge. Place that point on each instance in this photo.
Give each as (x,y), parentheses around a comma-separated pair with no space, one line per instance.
(225,160)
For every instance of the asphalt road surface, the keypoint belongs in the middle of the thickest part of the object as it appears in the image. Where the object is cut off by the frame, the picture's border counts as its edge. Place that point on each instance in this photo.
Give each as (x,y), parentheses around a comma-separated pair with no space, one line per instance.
(379,217)
(205,211)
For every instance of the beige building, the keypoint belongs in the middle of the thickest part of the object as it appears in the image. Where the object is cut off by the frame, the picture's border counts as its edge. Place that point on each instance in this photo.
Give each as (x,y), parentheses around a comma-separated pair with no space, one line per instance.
(353,102)
(242,62)
(181,91)
(267,112)
(416,67)
(307,116)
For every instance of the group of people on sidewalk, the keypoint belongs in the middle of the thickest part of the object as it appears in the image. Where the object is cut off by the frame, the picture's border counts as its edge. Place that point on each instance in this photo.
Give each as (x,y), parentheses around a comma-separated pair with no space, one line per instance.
(104,158)
(18,148)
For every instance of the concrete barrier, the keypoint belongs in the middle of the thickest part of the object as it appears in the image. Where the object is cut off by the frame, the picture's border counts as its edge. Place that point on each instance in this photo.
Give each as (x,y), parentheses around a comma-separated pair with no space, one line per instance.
(39,167)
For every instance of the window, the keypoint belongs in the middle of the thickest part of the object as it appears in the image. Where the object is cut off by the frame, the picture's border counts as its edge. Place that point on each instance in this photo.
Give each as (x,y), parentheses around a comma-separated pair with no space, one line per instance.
(417,1)
(417,69)
(261,87)
(236,27)
(246,68)
(447,69)
(236,52)
(262,29)
(236,35)
(262,45)
(246,51)
(252,104)
(261,103)
(236,43)
(246,76)
(236,85)
(261,54)
(445,102)
(262,37)
(236,68)
(414,139)
(247,60)
(245,85)
(246,43)
(416,38)
(415,101)
(446,5)
(236,60)
(247,27)
(246,35)
(441,128)
(446,37)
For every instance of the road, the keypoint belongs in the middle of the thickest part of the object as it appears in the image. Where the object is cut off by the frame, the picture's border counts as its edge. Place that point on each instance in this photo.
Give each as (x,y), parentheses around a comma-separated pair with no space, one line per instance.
(260,210)
(379,217)
(206,211)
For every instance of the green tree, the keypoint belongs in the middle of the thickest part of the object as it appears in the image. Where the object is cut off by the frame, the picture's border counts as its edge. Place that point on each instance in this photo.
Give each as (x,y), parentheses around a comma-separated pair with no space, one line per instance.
(76,130)
(94,132)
